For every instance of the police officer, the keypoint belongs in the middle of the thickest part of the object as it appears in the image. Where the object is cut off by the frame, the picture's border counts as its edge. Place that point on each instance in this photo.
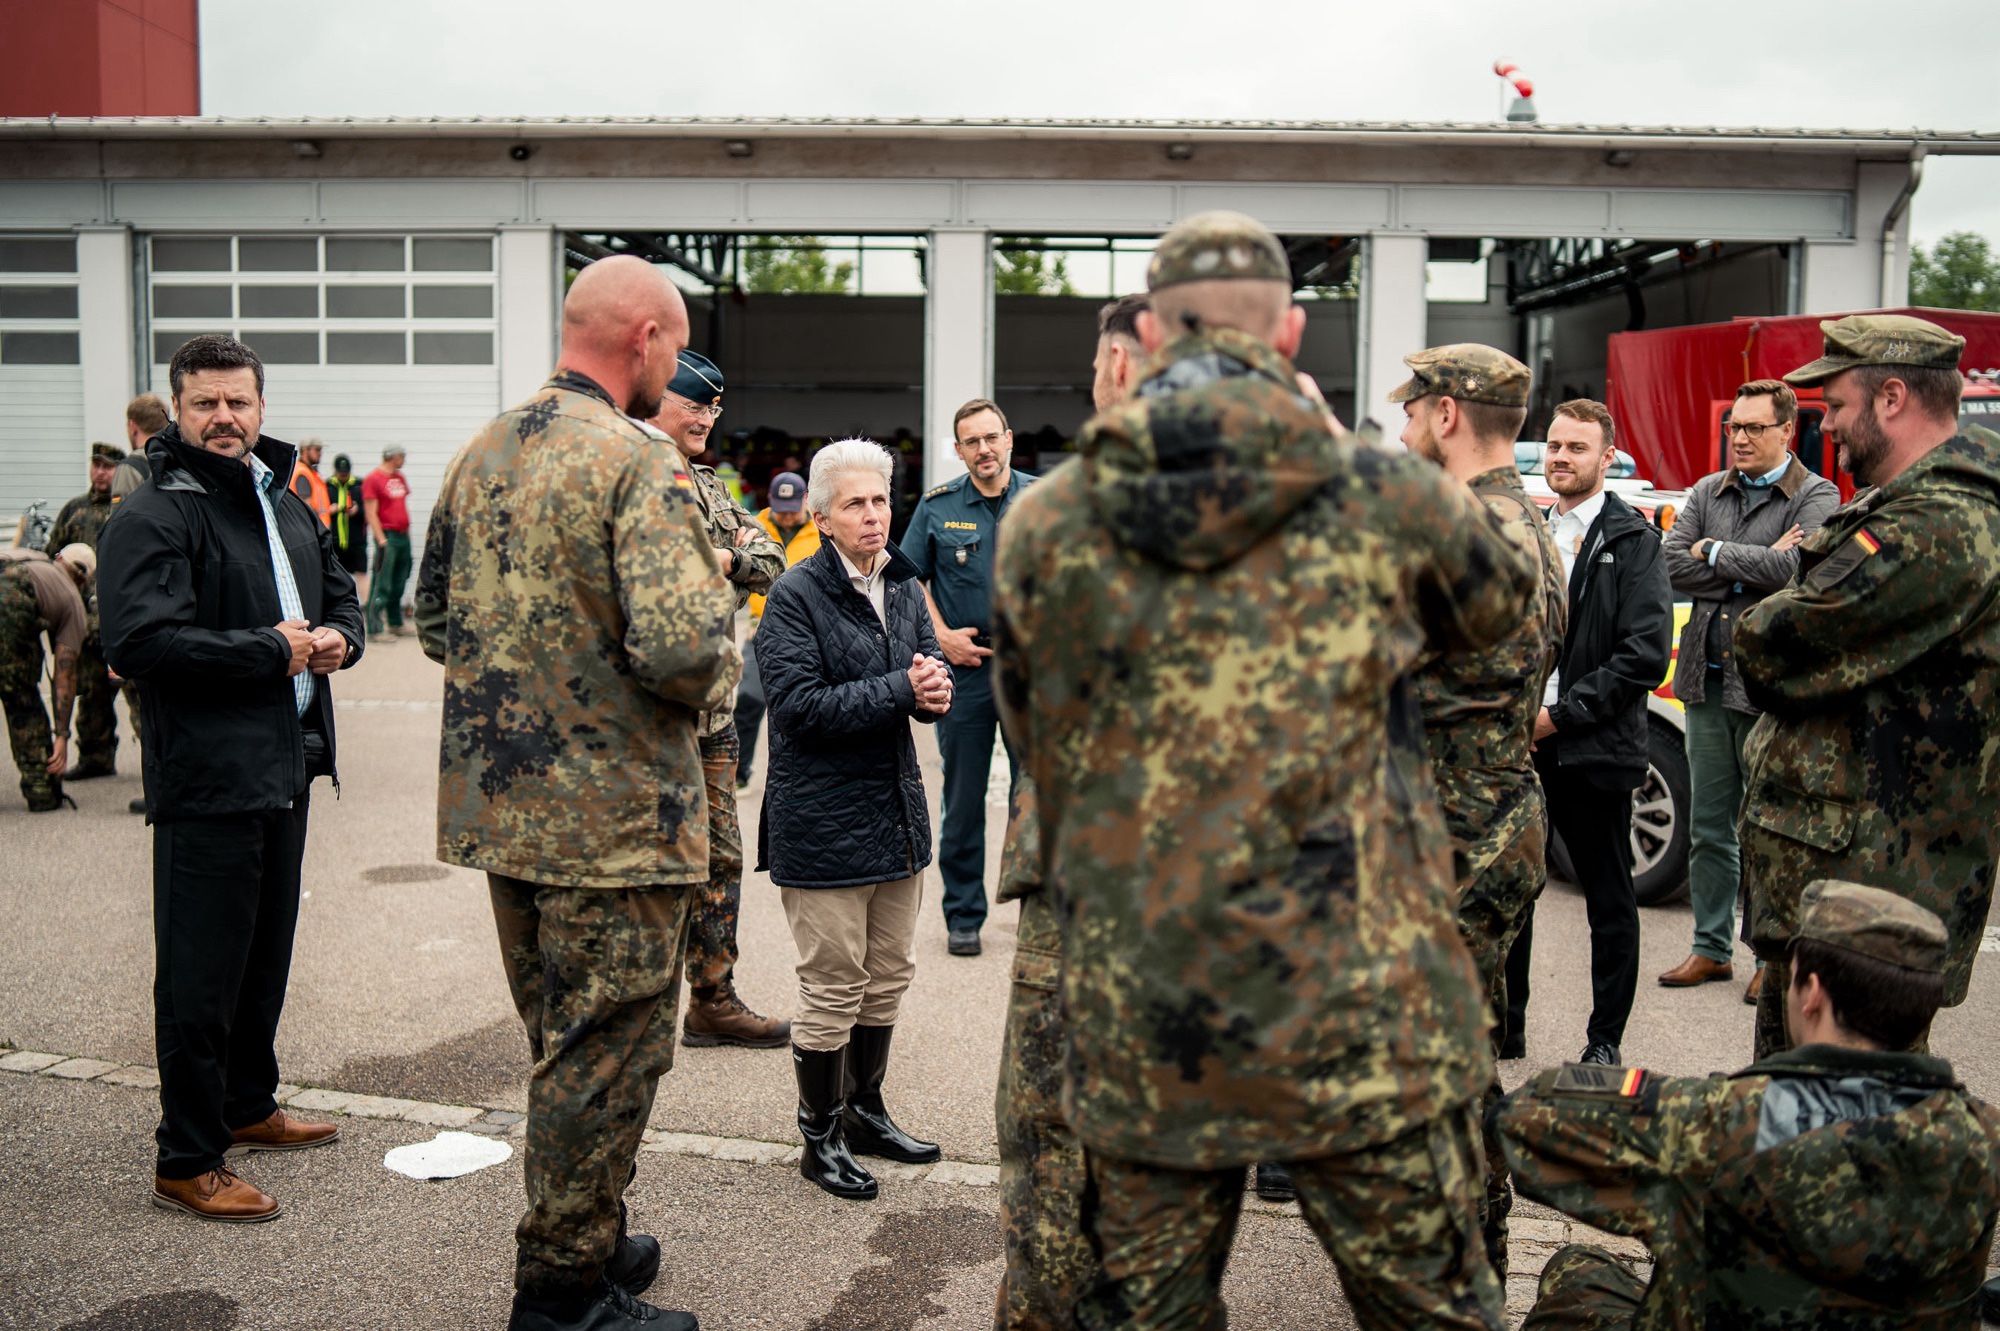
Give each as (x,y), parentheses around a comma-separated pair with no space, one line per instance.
(1878,668)
(79,523)
(751,560)
(1844,1182)
(951,540)
(1464,406)
(1204,634)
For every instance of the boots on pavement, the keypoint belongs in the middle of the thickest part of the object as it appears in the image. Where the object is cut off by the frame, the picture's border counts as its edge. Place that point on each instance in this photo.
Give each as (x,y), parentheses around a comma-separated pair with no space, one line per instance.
(220,1195)
(827,1160)
(717,1016)
(1697,969)
(603,1307)
(870,1130)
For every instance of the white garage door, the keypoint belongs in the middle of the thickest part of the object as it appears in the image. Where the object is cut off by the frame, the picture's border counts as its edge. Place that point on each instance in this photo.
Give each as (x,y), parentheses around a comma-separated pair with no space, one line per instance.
(367,340)
(44,451)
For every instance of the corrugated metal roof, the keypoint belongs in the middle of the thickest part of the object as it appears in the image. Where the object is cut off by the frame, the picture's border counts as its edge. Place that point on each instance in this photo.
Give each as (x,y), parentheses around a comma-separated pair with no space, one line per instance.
(1360,131)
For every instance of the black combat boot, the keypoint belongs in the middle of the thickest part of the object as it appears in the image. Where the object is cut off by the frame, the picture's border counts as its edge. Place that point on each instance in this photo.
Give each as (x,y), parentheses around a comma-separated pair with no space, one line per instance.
(635,1260)
(827,1161)
(870,1131)
(604,1307)
(1273,1183)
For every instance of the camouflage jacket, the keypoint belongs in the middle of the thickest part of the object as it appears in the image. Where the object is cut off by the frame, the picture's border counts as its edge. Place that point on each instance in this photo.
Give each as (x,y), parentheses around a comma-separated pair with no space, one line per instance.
(757,564)
(1480,707)
(1204,630)
(1878,759)
(82,519)
(571,592)
(1823,1187)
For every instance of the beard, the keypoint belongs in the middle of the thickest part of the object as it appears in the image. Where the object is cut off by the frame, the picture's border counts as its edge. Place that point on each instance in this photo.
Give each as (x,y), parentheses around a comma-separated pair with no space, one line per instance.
(642,408)
(1862,445)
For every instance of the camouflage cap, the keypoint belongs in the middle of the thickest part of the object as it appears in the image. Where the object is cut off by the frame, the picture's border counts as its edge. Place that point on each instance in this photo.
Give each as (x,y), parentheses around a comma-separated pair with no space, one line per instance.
(1879,339)
(106,453)
(1873,923)
(1467,371)
(1218,246)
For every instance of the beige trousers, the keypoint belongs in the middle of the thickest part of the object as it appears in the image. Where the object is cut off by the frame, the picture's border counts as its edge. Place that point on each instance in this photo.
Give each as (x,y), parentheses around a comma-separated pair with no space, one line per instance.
(854,956)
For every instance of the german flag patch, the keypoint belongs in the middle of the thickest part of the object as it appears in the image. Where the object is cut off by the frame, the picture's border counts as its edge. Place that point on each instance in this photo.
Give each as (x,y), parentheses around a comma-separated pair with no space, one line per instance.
(1866,540)
(1600,1081)
(1852,553)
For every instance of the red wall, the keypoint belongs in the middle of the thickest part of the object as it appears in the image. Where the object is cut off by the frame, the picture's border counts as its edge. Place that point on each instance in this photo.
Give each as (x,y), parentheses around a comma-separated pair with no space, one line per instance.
(100,58)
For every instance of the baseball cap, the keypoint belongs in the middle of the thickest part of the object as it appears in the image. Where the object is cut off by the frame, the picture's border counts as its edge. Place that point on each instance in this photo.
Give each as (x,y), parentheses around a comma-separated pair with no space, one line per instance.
(788,492)
(1218,246)
(1468,372)
(1870,922)
(1879,339)
(78,555)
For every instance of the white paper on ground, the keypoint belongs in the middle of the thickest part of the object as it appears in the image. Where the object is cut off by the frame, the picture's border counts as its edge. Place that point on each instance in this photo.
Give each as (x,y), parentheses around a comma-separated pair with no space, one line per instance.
(447,1155)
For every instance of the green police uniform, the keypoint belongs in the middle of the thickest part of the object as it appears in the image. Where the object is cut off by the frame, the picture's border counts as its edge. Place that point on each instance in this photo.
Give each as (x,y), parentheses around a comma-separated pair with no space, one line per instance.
(1204,633)
(576,671)
(1825,1187)
(1479,713)
(1878,669)
(79,522)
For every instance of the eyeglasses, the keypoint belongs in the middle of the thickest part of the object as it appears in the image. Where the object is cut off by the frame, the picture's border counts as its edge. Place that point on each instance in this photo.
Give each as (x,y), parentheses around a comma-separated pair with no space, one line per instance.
(711,411)
(982,441)
(1749,429)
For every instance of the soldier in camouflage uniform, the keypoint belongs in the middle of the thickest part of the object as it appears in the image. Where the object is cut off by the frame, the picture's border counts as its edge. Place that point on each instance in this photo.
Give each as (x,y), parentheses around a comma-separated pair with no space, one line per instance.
(1878,669)
(36,598)
(79,522)
(1043,1175)
(1464,407)
(1206,629)
(751,560)
(1841,1184)
(571,591)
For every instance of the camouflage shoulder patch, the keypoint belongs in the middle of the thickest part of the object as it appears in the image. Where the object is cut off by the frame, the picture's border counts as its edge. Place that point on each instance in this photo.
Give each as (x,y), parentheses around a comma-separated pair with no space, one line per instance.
(1598,1081)
(1852,554)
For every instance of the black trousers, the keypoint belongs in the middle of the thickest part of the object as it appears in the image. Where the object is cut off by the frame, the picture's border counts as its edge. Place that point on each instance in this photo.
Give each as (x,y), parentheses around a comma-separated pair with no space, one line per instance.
(225,904)
(749,710)
(1596,826)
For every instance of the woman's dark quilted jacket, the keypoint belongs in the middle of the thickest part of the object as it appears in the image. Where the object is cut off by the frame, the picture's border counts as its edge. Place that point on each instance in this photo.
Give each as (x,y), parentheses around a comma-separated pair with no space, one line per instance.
(844,799)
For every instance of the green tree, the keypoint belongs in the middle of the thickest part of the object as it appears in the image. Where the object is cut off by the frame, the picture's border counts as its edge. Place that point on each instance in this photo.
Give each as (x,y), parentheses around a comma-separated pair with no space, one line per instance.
(793,266)
(1961,272)
(1024,268)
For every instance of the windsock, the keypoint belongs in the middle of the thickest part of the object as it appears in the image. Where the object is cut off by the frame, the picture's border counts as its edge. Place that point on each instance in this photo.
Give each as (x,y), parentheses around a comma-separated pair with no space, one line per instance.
(1512,73)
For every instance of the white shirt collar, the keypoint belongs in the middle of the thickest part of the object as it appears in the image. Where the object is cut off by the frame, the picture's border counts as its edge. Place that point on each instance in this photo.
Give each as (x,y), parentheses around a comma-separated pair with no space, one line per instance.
(1585,513)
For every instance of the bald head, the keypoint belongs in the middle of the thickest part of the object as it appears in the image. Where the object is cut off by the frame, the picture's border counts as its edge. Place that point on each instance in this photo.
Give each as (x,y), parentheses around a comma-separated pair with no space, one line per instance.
(623,323)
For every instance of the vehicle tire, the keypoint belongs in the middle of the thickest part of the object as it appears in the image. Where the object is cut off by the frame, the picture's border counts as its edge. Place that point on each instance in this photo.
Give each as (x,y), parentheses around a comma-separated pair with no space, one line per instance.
(1661,819)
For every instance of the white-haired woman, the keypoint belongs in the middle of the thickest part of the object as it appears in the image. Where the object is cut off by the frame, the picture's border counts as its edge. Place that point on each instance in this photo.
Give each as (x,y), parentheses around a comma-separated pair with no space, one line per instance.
(849,658)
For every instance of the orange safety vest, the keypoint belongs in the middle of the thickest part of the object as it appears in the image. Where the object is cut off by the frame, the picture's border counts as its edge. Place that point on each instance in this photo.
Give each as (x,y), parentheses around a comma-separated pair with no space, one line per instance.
(321,501)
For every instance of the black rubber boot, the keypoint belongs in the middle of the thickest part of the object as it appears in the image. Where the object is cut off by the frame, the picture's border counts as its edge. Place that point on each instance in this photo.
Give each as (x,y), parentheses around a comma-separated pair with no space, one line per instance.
(870,1130)
(827,1161)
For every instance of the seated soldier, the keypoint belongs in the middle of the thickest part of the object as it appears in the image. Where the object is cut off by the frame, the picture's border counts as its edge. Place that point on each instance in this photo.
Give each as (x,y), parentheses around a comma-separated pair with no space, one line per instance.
(1842,1183)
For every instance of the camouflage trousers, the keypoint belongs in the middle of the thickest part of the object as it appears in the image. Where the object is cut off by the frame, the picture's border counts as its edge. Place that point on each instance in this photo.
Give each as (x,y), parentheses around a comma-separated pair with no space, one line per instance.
(28,729)
(1491,910)
(1585,1288)
(595,974)
(1043,1175)
(711,947)
(96,718)
(1400,1221)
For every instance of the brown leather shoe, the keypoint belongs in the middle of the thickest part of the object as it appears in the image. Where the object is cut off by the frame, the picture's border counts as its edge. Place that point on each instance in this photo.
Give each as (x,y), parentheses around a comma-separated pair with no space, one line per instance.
(1697,969)
(1754,988)
(219,1195)
(282,1132)
(723,1018)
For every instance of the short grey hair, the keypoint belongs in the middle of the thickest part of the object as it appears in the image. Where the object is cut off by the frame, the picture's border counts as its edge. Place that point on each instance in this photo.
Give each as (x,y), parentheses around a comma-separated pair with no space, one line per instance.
(839,458)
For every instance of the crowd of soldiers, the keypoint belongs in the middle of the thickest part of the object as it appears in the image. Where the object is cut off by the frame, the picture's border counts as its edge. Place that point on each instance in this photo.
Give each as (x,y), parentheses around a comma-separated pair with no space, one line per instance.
(1274,693)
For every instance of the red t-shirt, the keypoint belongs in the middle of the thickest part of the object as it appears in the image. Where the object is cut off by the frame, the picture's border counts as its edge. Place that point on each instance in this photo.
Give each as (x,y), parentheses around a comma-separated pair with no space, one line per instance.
(389,491)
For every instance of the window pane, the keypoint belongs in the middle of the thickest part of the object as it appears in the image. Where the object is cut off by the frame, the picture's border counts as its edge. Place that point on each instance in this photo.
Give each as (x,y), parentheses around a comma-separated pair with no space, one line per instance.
(451,254)
(364,254)
(22,255)
(191,302)
(454,348)
(364,302)
(283,348)
(278,254)
(39,349)
(37,302)
(454,302)
(166,344)
(190,254)
(364,349)
(278,302)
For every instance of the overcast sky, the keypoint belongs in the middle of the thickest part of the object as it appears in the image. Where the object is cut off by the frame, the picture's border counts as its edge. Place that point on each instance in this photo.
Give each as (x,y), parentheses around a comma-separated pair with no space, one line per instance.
(1826,64)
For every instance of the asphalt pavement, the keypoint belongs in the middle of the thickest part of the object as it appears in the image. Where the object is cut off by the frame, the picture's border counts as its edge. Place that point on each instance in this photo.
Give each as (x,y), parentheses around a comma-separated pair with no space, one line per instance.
(396,992)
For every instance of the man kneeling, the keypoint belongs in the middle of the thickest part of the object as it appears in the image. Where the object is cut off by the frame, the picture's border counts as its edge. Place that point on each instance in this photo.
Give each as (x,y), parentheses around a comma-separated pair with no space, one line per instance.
(1842,1182)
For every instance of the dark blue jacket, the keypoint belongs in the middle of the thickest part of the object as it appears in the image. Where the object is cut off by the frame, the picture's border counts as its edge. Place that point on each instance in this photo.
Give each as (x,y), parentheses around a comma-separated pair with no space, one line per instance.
(844,802)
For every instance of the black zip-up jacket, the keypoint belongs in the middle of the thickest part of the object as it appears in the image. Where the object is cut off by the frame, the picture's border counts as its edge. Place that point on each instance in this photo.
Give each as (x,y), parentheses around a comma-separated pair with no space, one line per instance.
(844,801)
(188,602)
(1620,638)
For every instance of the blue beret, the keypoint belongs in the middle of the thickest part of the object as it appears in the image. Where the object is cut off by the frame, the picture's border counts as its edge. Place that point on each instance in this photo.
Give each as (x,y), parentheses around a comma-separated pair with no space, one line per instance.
(697,379)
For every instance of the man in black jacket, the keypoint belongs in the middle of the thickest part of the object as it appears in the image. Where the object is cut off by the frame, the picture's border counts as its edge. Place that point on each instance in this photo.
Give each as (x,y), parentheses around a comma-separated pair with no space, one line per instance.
(221,597)
(1590,739)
